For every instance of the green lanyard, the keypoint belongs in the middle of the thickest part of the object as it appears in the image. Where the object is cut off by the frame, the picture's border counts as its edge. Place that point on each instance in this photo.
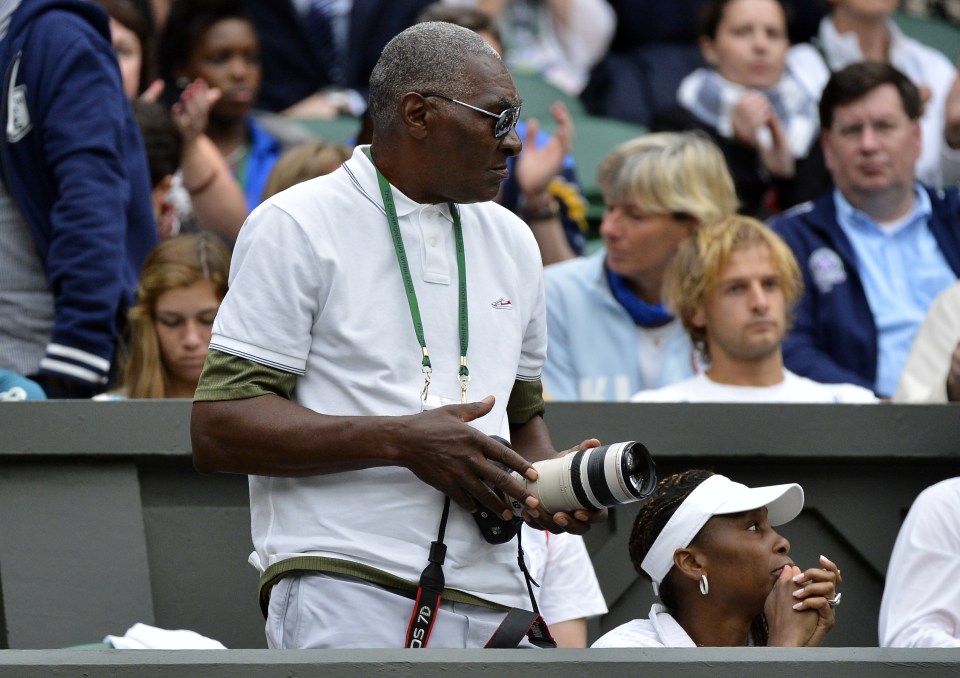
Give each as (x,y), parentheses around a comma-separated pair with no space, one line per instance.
(394,222)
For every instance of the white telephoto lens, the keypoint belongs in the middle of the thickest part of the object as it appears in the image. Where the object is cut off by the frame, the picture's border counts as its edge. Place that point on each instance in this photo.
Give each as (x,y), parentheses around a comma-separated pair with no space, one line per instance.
(608,475)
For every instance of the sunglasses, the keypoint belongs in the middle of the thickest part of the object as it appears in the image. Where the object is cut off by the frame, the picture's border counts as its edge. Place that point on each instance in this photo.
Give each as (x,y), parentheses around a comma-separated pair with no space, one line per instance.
(506,119)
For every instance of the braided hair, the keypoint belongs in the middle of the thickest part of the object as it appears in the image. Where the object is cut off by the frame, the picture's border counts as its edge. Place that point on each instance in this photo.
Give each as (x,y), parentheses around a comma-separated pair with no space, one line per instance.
(671,492)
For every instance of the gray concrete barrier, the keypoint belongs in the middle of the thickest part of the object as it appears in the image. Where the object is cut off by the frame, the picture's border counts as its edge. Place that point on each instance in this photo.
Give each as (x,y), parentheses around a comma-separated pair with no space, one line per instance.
(670,663)
(104,522)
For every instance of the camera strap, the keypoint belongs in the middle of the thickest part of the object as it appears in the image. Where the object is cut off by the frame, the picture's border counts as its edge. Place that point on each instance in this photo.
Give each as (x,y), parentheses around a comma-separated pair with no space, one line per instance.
(430,589)
(517,623)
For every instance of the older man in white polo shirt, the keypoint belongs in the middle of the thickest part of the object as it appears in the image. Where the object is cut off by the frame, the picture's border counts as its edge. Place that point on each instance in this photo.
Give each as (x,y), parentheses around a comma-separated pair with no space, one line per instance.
(383,322)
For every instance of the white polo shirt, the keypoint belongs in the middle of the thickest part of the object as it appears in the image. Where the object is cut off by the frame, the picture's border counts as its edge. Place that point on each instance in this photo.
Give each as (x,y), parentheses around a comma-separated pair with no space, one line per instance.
(315,289)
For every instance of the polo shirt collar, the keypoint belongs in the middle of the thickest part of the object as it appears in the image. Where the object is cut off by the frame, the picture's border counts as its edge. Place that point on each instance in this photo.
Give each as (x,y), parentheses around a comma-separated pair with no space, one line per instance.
(849,217)
(364,175)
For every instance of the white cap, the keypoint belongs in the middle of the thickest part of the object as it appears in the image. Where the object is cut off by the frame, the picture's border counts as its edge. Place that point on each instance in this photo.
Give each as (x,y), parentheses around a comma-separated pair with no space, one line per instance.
(717,495)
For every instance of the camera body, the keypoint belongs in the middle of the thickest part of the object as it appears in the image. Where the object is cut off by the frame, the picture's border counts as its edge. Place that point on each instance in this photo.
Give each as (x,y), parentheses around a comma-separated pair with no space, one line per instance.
(591,479)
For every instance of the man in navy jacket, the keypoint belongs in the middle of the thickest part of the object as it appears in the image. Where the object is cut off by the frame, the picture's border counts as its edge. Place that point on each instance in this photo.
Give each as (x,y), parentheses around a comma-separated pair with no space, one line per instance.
(877,249)
(75,205)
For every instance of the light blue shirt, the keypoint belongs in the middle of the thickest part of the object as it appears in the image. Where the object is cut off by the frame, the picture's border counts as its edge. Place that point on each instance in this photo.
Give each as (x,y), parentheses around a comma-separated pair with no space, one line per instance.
(902,272)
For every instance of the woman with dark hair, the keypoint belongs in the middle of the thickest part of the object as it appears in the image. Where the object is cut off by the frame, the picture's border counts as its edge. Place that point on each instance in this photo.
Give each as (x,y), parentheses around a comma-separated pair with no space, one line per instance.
(758,101)
(215,41)
(208,193)
(723,574)
(131,32)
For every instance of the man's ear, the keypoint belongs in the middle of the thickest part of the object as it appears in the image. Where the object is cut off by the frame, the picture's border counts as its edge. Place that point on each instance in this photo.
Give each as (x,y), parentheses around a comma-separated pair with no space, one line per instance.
(416,114)
(690,563)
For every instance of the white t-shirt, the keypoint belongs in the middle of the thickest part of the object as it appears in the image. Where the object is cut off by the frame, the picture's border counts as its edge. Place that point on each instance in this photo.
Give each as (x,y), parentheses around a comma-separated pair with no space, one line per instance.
(568,584)
(921,598)
(793,389)
(660,629)
(315,289)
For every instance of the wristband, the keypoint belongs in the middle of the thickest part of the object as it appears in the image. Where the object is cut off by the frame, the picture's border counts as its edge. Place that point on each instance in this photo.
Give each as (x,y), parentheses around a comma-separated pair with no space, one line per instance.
(544,210)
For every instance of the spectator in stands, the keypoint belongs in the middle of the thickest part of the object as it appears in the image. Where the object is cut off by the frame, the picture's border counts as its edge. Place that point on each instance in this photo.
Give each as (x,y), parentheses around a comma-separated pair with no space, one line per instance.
(734,285)
(723,574)
(877,249)
(164,146)
(318,54)
(133,42)
(921,600)
(182,284)
(559,40)
(932,371)
(950,160)
(609,335)
(758,101)
(542,187)
(75,207)
(654,47)
(220,205)
(946,10)
(304,161)
(215,42)
(859,30)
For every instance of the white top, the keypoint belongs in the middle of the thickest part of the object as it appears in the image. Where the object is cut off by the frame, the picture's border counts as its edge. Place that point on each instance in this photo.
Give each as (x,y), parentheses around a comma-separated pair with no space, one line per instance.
(924,376)
(315,289)
(536,41)
(568,584)
(921,600)
(793,389)
(924,65)
(660,629)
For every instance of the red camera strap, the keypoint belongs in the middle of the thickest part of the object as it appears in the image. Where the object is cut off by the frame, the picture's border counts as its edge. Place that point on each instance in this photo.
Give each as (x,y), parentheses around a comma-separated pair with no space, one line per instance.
(517,623)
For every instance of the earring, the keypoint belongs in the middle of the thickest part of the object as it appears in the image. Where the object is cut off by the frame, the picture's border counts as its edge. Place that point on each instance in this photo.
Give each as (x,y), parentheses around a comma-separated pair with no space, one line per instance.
(182,82)
(704,584)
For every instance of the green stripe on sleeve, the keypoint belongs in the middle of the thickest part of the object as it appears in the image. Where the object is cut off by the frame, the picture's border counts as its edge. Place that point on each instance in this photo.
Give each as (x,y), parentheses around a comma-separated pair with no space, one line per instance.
(230,377)
(526,402)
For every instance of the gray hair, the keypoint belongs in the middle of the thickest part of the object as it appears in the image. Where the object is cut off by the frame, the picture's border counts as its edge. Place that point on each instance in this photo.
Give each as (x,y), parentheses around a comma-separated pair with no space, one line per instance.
(427,57)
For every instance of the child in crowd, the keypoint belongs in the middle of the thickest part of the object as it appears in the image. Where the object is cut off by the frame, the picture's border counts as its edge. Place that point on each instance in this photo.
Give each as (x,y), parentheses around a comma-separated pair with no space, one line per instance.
(182,284)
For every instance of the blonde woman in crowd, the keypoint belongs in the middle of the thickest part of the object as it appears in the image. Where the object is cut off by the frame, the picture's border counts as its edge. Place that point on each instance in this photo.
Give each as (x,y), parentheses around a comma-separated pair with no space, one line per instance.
(305,161)
(182,284)
(609,334)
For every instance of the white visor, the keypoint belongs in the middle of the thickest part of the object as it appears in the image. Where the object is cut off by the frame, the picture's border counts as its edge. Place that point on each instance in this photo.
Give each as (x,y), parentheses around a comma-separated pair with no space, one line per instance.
(717,495)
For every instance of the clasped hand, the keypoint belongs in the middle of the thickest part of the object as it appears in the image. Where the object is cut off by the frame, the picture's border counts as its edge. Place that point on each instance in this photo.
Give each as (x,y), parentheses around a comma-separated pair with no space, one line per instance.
(798,610)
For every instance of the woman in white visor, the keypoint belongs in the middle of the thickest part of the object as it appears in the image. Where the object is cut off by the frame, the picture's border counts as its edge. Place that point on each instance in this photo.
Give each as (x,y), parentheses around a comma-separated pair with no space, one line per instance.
(724,576)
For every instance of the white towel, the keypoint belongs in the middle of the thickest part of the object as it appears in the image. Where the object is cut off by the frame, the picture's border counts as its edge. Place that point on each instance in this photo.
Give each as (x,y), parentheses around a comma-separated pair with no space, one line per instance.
(144,637)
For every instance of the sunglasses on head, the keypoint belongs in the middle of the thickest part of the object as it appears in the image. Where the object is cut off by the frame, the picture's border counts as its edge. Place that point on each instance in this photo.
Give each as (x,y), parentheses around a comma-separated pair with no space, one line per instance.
(506,119)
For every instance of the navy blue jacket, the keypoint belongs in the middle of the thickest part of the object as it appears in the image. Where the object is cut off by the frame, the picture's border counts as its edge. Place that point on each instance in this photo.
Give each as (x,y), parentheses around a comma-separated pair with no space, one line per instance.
(834,336)
(74,162)
(293,67)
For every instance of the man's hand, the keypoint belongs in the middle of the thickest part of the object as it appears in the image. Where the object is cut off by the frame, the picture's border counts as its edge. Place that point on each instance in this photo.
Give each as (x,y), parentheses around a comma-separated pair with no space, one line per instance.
(458,459)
